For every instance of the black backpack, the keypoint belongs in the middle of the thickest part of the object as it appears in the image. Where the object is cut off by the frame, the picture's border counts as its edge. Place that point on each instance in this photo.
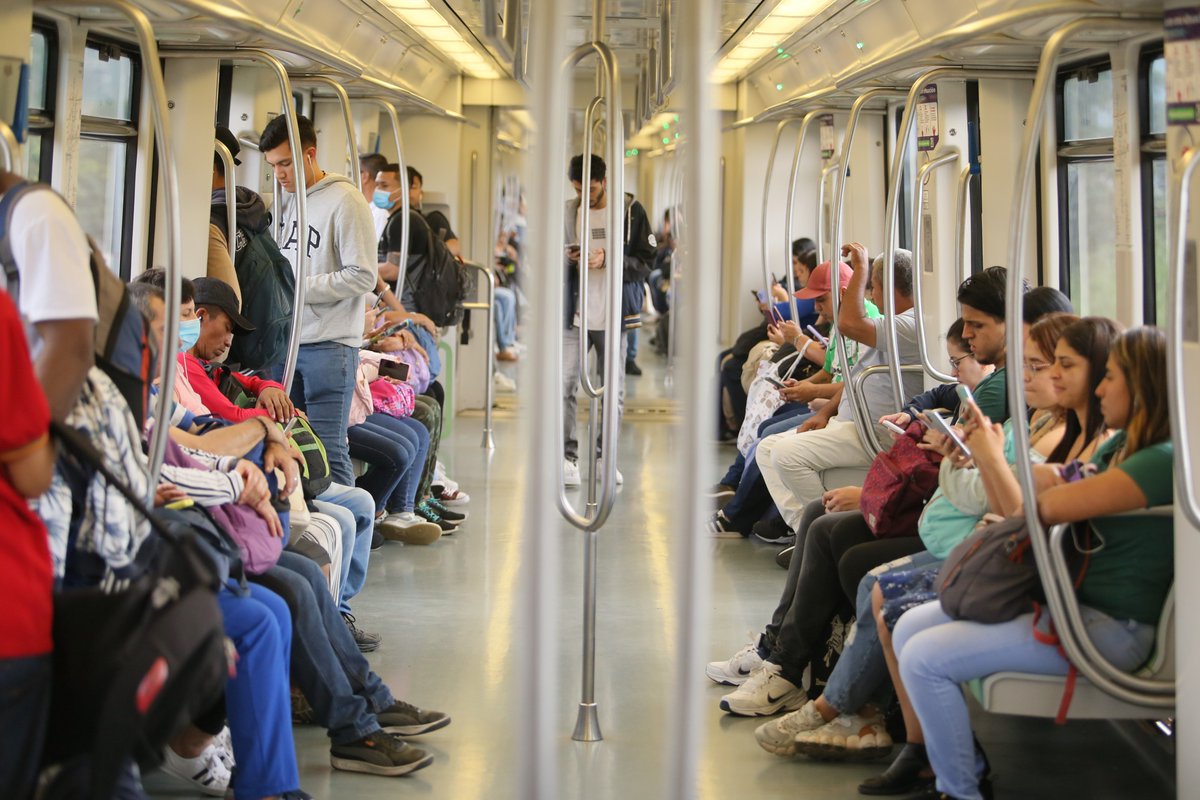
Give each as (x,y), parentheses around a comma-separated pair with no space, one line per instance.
(268,291)
(122,334)
(133,667)
(441,284)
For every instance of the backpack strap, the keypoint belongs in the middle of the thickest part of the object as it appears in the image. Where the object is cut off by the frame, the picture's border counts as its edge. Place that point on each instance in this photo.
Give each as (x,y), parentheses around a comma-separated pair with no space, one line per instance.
(8,202)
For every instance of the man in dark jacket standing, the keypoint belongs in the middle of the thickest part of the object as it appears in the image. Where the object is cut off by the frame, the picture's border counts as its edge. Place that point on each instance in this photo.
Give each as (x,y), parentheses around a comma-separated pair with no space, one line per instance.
(638,249)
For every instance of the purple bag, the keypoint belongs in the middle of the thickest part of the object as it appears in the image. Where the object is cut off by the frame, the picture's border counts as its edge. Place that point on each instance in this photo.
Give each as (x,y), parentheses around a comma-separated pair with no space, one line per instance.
(418,369)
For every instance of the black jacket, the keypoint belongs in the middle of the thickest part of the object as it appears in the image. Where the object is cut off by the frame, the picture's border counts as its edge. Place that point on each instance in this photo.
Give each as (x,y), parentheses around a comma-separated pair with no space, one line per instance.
(640,250)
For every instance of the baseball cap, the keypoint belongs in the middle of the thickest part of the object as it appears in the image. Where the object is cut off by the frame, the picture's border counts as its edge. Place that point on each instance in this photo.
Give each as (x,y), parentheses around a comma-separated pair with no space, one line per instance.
(818,281)
(226,137)
(214,292)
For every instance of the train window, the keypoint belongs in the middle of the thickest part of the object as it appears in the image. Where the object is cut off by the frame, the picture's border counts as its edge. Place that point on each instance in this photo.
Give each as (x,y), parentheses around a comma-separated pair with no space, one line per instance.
(1085,177)
(107,150)
(43,61)
(1153,105)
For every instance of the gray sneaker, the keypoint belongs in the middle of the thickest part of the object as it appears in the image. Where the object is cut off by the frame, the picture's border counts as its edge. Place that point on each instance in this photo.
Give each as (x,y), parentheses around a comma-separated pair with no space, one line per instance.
(367,642)
(405,719)
(379,754)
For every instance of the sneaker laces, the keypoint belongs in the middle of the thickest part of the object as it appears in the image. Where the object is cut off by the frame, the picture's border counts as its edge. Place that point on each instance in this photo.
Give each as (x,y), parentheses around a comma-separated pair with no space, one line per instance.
(431,514)
(797,721)
(760,677)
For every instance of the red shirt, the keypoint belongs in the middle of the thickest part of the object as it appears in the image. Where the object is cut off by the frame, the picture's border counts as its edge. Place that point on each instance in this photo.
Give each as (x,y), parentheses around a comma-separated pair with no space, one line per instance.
(218,404)
(26,572)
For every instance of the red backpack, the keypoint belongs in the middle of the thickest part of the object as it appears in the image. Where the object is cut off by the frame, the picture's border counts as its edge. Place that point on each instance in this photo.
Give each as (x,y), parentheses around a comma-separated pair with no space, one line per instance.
(898,485)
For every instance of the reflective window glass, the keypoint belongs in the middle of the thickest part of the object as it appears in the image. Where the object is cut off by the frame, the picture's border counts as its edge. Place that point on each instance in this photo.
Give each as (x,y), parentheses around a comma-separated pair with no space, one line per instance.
(101,204)
(107,86)
(1087,106)
(1157,85)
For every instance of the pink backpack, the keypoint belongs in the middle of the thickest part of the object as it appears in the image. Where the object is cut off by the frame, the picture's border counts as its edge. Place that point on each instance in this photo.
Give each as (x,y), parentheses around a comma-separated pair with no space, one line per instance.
(393,399)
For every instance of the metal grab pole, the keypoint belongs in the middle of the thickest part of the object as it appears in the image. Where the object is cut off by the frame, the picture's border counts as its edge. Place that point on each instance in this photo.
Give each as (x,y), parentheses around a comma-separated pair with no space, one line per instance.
(353,172)
(585,241)
(389,108)
(1078,648)
(9,147)
(766,262)
(823,246)
(289,109)
(793,179)
(489,276)
(230,197)
(960,223)
(1185,489)
(892,214)
(947,155)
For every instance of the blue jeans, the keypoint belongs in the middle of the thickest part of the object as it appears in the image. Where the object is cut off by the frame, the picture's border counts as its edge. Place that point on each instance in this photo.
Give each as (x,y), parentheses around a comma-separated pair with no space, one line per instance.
(861,674)
(354,510)
(631,348)
(323,388)
(776,423)
(396,450)
(258,700)
(505,311)
(752,498)
(24,707)
(326,663)
(937,653)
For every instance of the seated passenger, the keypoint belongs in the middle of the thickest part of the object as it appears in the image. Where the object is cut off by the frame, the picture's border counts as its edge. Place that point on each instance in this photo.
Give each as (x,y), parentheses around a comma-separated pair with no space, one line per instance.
(1121,594)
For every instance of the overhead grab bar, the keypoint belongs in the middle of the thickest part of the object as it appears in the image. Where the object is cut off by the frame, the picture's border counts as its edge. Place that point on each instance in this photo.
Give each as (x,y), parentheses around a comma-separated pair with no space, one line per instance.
(793,179)
(489,277)
(353,172)
(389,108)
(947,155)
(289,110)
(960,223)
(230,197)
(9,146)
(1185,487)
(1099,670)
(768,278)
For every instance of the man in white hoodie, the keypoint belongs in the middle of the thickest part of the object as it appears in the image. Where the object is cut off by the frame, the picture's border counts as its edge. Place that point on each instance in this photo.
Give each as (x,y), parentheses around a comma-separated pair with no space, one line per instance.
(340,242)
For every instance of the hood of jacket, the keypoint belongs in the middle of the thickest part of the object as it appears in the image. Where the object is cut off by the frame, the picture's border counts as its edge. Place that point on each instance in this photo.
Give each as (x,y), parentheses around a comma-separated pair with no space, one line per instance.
(251,210)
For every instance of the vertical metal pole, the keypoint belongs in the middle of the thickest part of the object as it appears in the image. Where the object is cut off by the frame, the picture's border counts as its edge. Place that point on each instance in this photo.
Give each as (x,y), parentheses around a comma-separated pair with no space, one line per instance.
(474,176)
(390,110)
(1185,487)
(946,156)
(961,270)
(353,172)
(230,197)
(693,564)
(489,443)
(9,147)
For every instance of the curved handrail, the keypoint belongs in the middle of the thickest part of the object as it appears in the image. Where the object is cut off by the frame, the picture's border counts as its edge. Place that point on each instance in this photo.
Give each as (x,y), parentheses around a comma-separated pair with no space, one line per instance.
(1185,488)
(766,263)
(9,147)
(892,214)
(1100,672)
(289,108)
(860,379)
(355,174)
(960,223)
(822,245)
(389,108)
(793,179)
(610,72)
(585,241)
(946,155)
(489,276)
(230,197)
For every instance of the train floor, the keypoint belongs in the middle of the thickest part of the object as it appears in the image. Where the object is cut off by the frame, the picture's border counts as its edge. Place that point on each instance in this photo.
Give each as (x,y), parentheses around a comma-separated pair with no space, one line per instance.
(447,614)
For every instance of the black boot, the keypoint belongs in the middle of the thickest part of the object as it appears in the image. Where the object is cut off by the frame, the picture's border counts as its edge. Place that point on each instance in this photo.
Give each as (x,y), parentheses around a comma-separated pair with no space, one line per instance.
(910,772)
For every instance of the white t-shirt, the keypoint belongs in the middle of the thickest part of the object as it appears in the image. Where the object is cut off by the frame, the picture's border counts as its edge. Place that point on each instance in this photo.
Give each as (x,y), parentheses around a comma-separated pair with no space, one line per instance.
(54,261)
(878,390)
(597,279)
(380,217)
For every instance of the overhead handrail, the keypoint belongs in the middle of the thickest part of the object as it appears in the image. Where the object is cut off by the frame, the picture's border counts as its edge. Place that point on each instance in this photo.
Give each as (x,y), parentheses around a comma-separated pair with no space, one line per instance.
(945,155)
(343,99)
(960,223)
(768,278)
(489,277)
(1099,671)
(505,38)
(9,147)
(867,436)
(389,108)
(1185,488)
(289,110)
(793,180)
(152,76)
(892,214)
(824,246)
(230,197)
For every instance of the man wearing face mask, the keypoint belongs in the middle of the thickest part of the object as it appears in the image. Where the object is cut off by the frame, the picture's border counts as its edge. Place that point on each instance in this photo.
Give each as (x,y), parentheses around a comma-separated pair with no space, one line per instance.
(341,270)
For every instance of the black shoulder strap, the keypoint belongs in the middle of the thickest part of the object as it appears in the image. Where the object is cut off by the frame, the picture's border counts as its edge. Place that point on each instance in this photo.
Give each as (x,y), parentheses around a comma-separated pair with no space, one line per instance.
(8,203)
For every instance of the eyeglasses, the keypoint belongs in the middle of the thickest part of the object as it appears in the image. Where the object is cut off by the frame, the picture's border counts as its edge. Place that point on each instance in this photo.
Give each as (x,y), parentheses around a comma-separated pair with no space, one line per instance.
(1034,367)
(954,362)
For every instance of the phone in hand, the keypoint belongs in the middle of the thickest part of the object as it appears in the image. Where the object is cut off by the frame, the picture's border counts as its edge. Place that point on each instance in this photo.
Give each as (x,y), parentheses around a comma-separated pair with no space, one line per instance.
(572,251)
(938,423)
(776,316)
(816,334)
(397,370)
(778,384)
(893,427)
(376,338)
(291,424)
(965,398)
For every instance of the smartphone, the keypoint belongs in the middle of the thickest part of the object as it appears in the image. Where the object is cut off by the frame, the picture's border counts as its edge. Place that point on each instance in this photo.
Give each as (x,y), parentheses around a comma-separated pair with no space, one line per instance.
(938,423)
(778,384)
(180,505)
(893,427)
(572,251)
(393,369)
(376,338)
(964,394)
(775,315)
(816,334)
(291,424)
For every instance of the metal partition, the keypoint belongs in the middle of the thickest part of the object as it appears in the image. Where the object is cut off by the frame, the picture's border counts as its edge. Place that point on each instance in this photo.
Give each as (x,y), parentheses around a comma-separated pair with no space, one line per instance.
(1075,642)
(353,172)
(489,277)
(9,148)
(230,197)
(1185,487)
(389,108)
(289,110)
(946,155)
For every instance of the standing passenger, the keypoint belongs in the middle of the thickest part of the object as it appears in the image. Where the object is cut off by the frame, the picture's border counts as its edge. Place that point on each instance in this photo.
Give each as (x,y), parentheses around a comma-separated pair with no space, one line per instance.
(368,168)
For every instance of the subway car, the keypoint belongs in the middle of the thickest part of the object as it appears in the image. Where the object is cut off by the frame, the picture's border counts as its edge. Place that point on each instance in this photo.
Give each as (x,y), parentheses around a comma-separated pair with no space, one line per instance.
(350,462)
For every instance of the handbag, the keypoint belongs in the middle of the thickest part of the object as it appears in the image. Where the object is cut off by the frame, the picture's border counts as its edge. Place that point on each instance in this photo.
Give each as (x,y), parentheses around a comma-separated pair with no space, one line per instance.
(396,400)
(991,575)
(898,485)
(131,668)
(763,399)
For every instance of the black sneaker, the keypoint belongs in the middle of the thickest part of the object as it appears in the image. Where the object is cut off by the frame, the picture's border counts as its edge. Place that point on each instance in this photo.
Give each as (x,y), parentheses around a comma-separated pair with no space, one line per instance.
(405,719)
(379,754)
(631,367)
(720,527)
(784,557)
(429,515)
(367,642)
(773,530)
(439,508)
(377,540)
(302,711)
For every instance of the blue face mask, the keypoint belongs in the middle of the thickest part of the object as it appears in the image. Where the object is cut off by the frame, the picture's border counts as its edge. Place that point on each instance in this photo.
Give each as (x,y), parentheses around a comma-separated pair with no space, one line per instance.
(383,200)
(189,334)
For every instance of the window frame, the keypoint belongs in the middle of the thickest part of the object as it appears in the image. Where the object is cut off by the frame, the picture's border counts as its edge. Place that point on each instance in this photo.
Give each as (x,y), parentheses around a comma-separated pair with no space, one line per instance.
(1153,148)
(42,125)
(127,133)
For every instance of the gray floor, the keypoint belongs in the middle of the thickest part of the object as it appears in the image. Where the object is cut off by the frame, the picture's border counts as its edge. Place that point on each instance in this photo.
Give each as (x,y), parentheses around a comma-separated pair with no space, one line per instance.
(446,614)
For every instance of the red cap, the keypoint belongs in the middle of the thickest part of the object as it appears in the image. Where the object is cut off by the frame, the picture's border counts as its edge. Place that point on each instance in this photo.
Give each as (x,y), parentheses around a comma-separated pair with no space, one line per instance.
(819,284)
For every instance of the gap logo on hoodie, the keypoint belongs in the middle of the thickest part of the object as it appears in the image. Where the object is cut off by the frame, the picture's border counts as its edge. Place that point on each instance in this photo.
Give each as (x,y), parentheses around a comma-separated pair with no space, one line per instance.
(314,239)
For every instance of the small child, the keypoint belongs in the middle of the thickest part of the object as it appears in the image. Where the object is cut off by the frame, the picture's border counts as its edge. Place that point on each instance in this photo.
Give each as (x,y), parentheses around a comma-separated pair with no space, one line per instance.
(26,573)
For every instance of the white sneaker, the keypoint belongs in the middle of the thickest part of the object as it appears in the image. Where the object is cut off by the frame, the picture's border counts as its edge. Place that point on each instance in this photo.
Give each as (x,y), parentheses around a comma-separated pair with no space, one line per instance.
(503,382)
(600,471)
(223,744)
(779,735)
(571,477)
(737,669)
(407,527)
(206,773)
(764,693)
(848,737)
